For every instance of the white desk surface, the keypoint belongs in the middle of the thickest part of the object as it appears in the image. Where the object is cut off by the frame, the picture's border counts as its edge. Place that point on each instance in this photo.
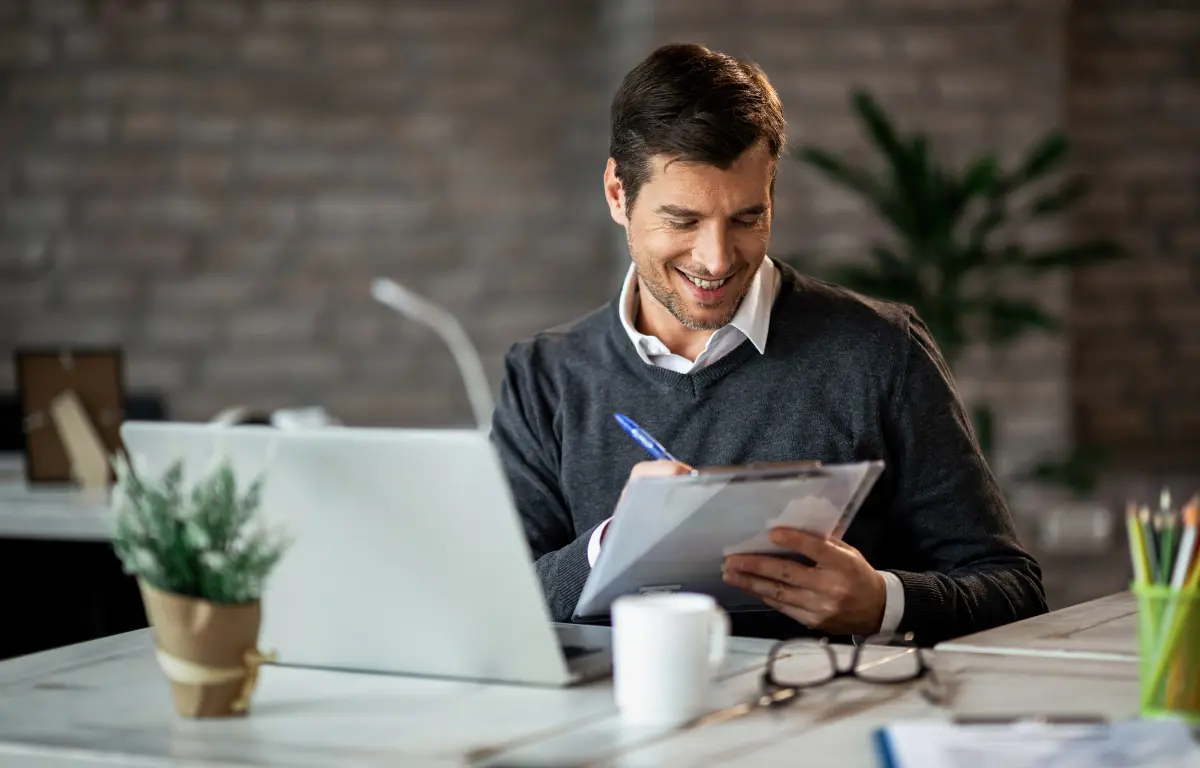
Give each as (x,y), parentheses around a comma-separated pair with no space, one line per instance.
(63,512)
(1103,629)
(108,696)
(832,726)
(105,703)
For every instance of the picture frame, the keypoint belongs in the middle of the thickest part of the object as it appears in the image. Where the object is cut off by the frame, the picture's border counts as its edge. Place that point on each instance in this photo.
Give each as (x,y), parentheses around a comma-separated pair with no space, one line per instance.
(93,378)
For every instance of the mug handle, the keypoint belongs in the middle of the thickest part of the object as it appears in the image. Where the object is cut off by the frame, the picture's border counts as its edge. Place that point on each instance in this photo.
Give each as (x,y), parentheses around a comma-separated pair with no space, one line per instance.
(718,639)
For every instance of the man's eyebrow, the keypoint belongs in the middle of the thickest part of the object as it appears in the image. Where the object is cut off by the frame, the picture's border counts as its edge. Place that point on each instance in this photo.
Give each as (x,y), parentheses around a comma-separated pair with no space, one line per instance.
(678,211)
(686,213)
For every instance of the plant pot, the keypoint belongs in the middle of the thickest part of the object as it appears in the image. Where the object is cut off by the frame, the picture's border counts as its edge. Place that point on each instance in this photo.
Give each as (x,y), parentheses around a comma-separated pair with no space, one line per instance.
(207,651)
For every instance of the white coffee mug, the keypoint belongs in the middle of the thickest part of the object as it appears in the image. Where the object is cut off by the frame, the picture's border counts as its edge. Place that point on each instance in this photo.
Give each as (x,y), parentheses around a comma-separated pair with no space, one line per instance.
(667,648)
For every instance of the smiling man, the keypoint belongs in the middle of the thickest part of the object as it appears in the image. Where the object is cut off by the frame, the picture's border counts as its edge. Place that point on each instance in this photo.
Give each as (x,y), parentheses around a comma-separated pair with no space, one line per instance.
(728,358)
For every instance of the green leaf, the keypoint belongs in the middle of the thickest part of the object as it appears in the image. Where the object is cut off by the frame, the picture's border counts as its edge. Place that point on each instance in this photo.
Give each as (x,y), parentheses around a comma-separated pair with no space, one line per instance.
(1071,256)
(858,180)
(195,543)
(879,127)
(1010,256)
(870,282)
(912,208)
(1008,318)
(1045,157)
(957,194)
(844,173)
(1066,195)
(983,227)
(943,208)
(913,173)
(980,176)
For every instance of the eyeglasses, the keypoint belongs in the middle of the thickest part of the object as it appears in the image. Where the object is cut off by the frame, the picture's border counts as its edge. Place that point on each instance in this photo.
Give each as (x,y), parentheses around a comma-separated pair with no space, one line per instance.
(884,658)
(887,659)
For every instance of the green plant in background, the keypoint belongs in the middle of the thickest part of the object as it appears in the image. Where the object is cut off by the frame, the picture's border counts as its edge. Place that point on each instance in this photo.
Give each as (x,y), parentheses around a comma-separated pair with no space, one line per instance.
(955,246)
(199,543)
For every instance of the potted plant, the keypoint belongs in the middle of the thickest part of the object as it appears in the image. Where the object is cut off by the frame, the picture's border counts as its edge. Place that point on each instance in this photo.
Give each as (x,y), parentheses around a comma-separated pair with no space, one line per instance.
(955,243)
(200,562)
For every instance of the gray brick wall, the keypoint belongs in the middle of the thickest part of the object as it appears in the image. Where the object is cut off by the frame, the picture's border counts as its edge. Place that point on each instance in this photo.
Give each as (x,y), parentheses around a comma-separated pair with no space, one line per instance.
(213,185)
(1134,108)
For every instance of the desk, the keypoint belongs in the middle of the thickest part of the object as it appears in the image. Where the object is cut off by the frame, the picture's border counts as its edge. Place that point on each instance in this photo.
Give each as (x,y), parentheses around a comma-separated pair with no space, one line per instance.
(54,514)
(832,726)
(60,513)
(107,696)
(105,702)
(1103,630)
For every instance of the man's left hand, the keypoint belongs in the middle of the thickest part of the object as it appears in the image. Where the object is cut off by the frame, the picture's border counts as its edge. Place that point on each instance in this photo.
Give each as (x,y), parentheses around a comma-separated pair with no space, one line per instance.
(842,594)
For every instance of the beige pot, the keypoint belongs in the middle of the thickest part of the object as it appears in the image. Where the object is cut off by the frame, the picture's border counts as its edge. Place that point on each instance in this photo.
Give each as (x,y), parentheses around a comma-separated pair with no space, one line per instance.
(208,652)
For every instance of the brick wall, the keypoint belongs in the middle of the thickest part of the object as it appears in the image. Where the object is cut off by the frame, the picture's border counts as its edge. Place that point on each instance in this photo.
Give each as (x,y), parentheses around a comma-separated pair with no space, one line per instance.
(214,183)
(1134,110)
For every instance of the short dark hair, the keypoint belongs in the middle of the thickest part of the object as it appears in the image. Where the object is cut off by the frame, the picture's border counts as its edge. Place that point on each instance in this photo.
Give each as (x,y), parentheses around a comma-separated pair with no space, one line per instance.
(695,104)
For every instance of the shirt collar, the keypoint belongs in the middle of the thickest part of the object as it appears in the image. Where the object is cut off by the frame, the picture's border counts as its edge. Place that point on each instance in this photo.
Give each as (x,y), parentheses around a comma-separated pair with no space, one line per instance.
(753,316)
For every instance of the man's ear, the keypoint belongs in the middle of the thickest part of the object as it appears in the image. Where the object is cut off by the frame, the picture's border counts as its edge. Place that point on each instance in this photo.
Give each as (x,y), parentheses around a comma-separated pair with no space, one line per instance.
(614,194)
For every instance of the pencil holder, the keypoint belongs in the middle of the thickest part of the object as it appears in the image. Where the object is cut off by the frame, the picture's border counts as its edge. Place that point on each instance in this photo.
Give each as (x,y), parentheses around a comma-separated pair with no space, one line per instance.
(1169,652)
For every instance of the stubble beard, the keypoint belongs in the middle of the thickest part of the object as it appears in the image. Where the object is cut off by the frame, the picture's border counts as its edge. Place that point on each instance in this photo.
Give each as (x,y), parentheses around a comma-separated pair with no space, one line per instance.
(676,304)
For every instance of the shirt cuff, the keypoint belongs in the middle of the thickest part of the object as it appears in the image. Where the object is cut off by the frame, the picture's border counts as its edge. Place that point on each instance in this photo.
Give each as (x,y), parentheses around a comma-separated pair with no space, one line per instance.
(594,547)
(893,606)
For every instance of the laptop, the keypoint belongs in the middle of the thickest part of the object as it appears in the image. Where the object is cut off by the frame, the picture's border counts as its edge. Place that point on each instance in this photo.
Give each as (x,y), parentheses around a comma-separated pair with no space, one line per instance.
(407,552)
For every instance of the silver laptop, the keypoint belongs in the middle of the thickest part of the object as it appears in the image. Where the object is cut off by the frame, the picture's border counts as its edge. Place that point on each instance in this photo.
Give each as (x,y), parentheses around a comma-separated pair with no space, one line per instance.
(408,555)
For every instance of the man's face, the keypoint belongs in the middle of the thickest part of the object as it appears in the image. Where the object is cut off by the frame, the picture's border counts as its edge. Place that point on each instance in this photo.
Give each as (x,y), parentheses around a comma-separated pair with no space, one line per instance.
(697,234)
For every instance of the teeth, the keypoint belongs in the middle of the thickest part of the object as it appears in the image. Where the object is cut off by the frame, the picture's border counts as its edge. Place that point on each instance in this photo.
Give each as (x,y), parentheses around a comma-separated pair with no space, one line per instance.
(707,285)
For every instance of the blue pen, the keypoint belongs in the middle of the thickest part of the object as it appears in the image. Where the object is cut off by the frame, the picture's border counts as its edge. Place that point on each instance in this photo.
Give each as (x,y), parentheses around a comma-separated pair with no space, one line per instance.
(643,438)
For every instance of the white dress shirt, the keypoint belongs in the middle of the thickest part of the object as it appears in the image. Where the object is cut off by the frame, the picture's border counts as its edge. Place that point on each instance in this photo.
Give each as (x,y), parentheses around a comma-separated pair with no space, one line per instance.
(751,322)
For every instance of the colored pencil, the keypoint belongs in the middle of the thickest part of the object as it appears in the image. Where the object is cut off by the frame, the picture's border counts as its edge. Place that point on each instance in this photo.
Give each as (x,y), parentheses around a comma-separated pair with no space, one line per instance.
(1185,561)
(1169,541)
(1137,547)
(1144,519)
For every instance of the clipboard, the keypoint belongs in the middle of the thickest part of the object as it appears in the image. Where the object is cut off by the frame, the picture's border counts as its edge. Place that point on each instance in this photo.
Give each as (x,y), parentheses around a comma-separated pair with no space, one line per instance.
(671,534)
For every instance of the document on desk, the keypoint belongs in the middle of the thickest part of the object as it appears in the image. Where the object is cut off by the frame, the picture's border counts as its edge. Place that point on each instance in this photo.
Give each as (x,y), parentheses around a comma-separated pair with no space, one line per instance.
(671,534)
(942,744)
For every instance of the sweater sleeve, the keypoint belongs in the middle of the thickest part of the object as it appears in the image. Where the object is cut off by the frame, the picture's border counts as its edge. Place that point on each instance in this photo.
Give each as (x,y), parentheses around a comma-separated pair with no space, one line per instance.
(949,504)
(523,434)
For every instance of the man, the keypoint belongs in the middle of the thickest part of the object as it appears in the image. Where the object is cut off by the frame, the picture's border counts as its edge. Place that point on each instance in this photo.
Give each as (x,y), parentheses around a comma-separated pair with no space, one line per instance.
(727,358)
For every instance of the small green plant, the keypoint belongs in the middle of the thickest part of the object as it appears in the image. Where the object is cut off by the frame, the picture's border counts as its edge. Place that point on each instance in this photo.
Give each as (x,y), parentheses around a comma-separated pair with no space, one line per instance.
(199,542)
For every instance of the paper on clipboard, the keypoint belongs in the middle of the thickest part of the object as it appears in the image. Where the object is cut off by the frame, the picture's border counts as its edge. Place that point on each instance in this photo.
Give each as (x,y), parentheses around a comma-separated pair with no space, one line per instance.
(932,743)
(672,533)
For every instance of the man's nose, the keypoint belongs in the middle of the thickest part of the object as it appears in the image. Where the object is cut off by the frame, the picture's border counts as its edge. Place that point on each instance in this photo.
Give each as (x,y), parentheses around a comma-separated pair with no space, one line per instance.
(714,250)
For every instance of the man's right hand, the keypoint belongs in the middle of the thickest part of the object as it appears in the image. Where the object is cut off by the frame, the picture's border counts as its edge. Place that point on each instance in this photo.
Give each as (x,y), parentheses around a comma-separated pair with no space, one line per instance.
(659,468)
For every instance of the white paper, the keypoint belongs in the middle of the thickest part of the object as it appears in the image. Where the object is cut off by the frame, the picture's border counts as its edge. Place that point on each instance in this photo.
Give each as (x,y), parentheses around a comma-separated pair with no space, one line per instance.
(1146,744)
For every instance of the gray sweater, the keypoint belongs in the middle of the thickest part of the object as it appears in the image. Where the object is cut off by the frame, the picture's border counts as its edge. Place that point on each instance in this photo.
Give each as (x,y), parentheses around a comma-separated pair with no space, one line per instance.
(843,378)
